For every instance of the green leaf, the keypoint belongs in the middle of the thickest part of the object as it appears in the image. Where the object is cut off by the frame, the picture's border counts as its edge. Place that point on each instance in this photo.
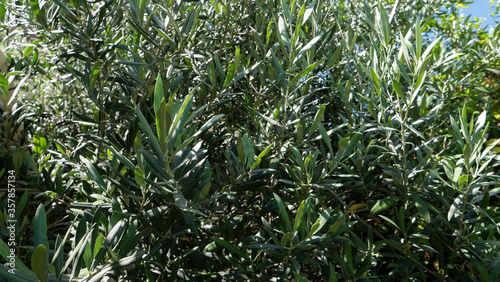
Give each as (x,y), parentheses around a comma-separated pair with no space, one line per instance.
(315,228)
(307,47)
(422,206)
(298,25)
(402,69)
(180,119)
(297,155)
(241,151)
(39,262)
(230,247)
(38,13)
(298,216)
(384,21)
(40,227)
(300,132)
(159,96)
(174,85)
(269,31)
(481,266)
(463,124)
(430,47)
(244,73)
(268,119)
(456,133)
(286,239)
(317,119)
(326,137)
(188,26)
(339,227)
(162,124)
(462,179)
(384,204)
(188,218)
(485,201)
(115,266)
(207,125)
(120,157)
(422,73)
(98,244)
(93,80)
(276,64)
(249,150)
(285,39)
(58,261)
(391,222)
(481,120)
(113,236)
(308,11)
(143,123)
(40,143)
(333,57)
(397,89)
(174,23)
(87,255)
(92,171)
(307,70)
(220,70)
(261,155)
(333,274)
(283,213)
(77,250)
(418,34)
(179,199)
(18,158)
(286,10)
(298,277)
(206,176)
(28,51)
(233,68)
(347,144)
(21,204)
(322,220)
(212,74)
(29,161)
(375,80)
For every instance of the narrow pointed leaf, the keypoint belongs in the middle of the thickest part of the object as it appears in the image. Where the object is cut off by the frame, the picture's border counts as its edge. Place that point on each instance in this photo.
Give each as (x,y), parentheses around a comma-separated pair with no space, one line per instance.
(158,93)
(283,212)
(298,216)
(383,204)
(39,263)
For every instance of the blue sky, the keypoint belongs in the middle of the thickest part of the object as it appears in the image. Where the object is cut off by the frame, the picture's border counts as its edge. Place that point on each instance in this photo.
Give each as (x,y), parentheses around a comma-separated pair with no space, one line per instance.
(480,9)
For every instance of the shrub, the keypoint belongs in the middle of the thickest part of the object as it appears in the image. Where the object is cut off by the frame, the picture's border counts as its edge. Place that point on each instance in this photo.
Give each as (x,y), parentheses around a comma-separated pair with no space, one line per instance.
(262,140)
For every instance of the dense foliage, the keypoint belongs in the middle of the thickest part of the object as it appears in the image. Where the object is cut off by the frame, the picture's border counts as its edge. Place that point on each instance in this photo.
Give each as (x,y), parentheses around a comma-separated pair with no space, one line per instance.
(250,140)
